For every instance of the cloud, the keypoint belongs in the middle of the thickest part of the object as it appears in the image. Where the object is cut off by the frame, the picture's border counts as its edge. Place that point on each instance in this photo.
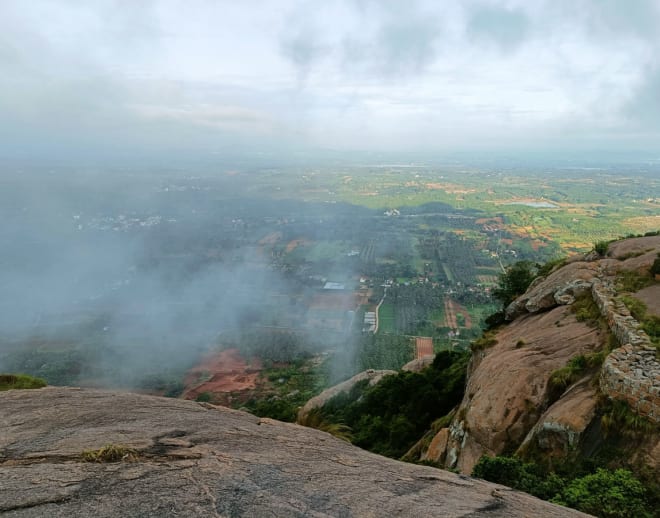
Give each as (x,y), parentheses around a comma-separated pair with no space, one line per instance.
(207,115)
(392,40)
(643,107)
(336,73)
(303,50)
(503,27)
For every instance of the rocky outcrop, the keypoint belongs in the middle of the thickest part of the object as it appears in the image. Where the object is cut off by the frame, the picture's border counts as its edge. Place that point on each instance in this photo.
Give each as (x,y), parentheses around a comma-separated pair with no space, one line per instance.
(506,392)
(561,428)
(506,402)
(192,459)
(374,376)
(559,288)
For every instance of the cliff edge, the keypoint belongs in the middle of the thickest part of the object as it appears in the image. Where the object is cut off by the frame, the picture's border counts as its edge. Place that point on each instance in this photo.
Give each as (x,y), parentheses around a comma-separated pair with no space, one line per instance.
(182,458)
(570,344)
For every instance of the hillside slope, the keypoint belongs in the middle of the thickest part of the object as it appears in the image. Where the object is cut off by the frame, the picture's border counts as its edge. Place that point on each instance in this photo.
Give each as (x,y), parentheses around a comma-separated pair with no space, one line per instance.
(192,459)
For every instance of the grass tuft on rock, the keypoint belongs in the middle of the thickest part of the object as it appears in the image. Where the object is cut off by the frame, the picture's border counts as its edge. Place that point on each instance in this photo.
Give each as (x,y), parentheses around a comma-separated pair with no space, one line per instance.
(110,453)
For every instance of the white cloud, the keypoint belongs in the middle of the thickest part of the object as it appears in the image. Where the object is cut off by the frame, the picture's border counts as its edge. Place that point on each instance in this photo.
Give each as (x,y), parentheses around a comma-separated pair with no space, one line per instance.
(340,73)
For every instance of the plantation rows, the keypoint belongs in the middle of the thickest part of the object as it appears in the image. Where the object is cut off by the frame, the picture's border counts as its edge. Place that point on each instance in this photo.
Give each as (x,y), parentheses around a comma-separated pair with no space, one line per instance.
(413,305)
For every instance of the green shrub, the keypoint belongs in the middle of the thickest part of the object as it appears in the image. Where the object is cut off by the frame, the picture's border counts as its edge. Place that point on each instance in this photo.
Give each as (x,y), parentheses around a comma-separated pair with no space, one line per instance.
(391,416)
(651,326)
(515,281)
(600,247)
(563,378)
(513,472)
(600,492)
(610,494)
(203,397)
(20,381)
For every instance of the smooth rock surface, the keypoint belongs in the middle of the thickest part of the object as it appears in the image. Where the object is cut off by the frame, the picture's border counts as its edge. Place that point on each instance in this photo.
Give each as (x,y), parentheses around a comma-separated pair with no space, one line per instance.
(194,459)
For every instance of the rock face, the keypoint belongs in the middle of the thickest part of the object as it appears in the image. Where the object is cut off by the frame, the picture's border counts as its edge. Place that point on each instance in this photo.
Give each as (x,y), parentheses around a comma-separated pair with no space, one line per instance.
(507,388)
(559,288)
(561,428)
(193,459)
(507,406)
(374,376)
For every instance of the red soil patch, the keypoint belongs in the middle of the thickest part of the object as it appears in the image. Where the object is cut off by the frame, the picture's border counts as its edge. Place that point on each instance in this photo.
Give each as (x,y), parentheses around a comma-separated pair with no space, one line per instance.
(423,346)
(222,372)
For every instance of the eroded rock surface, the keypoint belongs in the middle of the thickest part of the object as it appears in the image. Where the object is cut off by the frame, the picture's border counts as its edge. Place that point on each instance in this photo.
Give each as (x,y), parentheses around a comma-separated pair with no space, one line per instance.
(559,288)
(507,387)
(194,459)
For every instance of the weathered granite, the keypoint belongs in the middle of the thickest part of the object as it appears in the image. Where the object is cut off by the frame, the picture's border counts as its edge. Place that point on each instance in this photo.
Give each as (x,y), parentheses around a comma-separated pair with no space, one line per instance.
(194,459)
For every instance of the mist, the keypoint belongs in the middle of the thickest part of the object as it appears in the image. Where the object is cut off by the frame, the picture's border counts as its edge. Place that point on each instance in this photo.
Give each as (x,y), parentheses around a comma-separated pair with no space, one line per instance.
(140,275)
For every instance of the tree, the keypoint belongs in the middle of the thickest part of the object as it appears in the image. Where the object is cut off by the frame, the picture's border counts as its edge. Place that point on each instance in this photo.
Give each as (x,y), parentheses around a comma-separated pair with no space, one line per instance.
(515,281)
(606,494)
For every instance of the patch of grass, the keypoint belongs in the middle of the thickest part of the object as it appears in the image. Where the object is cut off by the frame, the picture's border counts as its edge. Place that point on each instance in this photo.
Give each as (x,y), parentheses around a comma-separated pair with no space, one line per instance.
(520,343)
(20,381)
(586,310)
(203,397)
(618,419)
(577,366)
(483,342)
(650,324)
(110,453)
(632,282)
(316,419)
(636,307)
(600,247)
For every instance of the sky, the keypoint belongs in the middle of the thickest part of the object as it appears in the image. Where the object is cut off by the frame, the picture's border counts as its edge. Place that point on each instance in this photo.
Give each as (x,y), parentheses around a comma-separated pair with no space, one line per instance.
(206,77)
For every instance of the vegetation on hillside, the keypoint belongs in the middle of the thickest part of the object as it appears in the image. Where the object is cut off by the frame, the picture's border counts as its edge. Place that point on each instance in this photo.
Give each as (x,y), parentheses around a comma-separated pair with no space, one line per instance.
(602,492)
(389,417)
(20,381)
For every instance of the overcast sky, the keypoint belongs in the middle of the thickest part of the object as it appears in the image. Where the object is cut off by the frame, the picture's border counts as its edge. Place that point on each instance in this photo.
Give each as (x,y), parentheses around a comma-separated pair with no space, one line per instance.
(406,75)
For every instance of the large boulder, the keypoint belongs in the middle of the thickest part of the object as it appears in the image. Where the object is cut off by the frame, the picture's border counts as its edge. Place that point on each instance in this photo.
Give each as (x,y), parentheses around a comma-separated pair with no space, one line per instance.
(559,288)
(506,390)
(190,459)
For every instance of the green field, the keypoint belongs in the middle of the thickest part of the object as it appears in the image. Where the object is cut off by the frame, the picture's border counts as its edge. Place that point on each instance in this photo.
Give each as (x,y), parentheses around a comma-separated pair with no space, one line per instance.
(386,322)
